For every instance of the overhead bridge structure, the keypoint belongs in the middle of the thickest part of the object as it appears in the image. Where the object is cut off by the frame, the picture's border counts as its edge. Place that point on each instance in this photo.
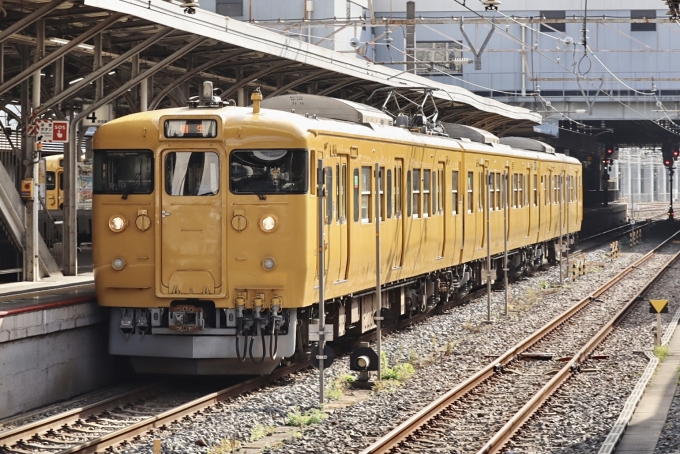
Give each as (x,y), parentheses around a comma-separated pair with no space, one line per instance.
(87,61)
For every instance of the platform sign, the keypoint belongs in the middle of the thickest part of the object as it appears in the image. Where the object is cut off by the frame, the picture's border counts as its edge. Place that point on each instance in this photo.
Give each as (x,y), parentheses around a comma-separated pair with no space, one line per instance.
(658,306)
(99,116)
(59,131)
(52,130)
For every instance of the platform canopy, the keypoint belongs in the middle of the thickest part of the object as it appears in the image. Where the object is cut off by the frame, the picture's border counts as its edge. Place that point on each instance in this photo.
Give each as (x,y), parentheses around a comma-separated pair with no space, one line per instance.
(129,41)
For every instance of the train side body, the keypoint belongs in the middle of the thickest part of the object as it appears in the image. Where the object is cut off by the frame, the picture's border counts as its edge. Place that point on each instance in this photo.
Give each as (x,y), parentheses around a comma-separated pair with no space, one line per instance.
(198,255)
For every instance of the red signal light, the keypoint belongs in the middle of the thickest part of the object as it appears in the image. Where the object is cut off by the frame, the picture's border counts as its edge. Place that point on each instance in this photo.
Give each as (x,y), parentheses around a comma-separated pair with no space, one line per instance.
(676,153)
(610,151)
(667,162)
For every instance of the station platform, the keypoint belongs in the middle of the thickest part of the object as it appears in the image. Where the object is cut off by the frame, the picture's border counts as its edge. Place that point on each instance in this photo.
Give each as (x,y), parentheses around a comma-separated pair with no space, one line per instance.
(603,218)
(53,343)
(645,427)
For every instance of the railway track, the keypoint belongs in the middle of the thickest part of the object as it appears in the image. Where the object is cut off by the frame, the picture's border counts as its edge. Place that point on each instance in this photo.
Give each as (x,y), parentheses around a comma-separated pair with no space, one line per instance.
(122,418)
(482,413)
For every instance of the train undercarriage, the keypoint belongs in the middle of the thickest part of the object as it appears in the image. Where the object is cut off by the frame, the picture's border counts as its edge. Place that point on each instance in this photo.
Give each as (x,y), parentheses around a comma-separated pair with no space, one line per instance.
(193,337)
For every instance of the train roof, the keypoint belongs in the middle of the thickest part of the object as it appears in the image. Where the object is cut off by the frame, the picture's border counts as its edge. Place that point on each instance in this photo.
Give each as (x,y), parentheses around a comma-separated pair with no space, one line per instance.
(354,119)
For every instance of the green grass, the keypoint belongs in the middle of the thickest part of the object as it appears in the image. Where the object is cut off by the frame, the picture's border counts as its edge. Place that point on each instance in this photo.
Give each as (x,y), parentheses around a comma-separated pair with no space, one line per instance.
(259,431)
(226,446)
(336,388)
(661,351)
(298,419)
(399,373)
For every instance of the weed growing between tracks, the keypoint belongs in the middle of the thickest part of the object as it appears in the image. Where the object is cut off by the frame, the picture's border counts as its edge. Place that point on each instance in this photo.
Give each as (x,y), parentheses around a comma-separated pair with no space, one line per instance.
(337,387)
(226,446)
(661,351)
(260,431)
(298,419)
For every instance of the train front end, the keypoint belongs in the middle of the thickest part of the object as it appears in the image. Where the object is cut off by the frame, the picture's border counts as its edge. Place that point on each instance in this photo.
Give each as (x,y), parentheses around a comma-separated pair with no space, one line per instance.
(198,221)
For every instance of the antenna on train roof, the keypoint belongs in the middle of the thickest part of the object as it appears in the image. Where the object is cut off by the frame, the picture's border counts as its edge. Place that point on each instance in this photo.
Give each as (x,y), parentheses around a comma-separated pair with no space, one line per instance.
(208,99)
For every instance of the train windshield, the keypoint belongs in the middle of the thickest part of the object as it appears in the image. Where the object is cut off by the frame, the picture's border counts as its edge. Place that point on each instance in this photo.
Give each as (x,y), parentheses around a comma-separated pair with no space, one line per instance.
(271,171)
(123,172)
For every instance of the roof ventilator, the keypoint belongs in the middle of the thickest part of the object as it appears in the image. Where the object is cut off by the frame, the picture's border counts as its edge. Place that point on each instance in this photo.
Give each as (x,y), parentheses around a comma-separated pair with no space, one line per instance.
(526,143)
(456,131)
(208,100)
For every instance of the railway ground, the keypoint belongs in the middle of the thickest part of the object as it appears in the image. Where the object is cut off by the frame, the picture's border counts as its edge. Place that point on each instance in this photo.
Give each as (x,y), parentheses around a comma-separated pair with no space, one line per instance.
(646,426)
(652,434)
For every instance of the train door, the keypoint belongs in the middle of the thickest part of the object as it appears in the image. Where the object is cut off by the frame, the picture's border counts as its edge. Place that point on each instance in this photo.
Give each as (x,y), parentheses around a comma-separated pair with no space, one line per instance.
(332,246)
(469,213)
(60,188)
(336,213)
(191,253)
(398,213)
(549,192)
(529,190)
(564,206)
(456,209)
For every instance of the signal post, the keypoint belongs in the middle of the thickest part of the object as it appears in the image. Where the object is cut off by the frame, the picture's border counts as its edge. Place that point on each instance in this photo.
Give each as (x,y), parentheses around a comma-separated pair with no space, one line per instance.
(670,153)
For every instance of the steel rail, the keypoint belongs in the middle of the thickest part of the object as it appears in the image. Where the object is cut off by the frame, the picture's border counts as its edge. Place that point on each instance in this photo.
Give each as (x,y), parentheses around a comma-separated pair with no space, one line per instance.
(167,417)
(498,441)
(25,432)
(418,420)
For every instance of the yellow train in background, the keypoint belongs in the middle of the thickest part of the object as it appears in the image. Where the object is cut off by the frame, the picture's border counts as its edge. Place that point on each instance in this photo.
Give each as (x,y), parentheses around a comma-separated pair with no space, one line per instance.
(54,182)
(205,224)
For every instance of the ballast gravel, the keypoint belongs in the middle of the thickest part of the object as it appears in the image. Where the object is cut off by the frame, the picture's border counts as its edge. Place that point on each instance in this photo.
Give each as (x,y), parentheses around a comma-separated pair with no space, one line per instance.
(446,349)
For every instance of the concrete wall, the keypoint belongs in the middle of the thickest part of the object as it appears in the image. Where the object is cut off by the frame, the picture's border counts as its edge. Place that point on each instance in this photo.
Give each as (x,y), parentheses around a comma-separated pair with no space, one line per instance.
(51,355)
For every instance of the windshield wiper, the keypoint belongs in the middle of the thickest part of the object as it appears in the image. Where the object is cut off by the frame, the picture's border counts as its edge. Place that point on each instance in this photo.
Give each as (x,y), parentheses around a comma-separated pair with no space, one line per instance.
(134,184)
(259,195)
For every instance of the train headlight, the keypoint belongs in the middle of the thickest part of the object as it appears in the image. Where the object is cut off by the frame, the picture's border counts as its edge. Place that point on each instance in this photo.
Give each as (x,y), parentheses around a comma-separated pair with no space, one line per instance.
(269,223)
(118,264)
(268,264)
(117,223)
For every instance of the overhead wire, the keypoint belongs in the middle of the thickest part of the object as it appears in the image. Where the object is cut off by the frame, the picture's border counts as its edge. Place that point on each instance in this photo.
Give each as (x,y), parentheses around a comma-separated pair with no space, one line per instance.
(609,95)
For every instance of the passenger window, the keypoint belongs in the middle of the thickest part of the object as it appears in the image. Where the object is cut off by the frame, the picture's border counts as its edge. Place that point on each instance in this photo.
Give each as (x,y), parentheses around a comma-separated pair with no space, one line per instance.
(498,190)
(470,187)
(337,193)
(535,190)
(526,189)
(192,173)
(381,191)
(482,187)
(366,194)
(440,192)
(416,193)
(329,195)
(50,181)
(408,196)
(342,186)
(426,193)
(454,192)
(356,195)
(397,192)
(389,193)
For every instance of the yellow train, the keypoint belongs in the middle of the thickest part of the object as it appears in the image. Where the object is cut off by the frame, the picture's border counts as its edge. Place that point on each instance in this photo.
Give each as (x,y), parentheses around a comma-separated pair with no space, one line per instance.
(205,224)
(54,182)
